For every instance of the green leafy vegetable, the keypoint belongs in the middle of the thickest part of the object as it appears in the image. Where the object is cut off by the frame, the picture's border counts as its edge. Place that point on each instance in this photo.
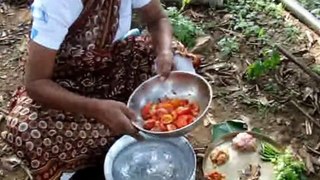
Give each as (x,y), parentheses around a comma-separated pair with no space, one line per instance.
(292,32)
(228,46)
(184,29)
(316,68)
(286,165)
(261,67)
(268,152)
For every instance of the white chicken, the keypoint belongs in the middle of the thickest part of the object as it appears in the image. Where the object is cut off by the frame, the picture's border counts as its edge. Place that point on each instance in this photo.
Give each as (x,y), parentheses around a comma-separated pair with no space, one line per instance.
(244,142)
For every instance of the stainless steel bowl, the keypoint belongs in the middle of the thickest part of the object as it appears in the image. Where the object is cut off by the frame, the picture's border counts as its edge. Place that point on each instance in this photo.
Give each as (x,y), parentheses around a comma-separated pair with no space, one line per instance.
(178,85)
(151,159)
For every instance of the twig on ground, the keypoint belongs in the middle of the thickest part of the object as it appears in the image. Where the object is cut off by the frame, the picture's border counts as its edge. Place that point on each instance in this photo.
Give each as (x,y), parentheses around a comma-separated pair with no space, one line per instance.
(305,113)
(308,127)
(315,161)
(5,112)
(2,151)
(207,65)
(313,150)
(299,64)
(231,32)
(311,40)
(211,77)
(222,81)
(317,147)
(27,171)
(307,159)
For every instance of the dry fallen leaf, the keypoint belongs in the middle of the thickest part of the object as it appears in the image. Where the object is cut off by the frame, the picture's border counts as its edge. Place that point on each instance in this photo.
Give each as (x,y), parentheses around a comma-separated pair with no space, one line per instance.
(247,120)
(307,159)
(307,93)
(10,163)
(264,101)
(196,14)
(209,120)
(202,44)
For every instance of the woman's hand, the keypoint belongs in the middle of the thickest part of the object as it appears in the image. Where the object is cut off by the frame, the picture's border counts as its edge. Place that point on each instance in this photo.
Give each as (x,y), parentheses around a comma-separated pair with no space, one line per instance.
(164,63)
(161,31)
(115,115)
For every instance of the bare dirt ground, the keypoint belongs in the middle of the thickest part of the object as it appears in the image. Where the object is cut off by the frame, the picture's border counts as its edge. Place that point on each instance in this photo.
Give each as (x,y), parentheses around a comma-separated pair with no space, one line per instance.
(234,98)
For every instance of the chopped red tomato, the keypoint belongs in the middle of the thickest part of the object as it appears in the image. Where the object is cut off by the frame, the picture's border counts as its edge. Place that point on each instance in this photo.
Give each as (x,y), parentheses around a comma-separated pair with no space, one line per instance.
(169,114)
(154,117)
(194,113)
(184,102)
(145,112)
(194,107)
(153,109)
(156,129)
(149,124)
(160,112)
(167,106)
(183,110)
(171,127)
(174,115)
(215,176)
(190,118)
(163,127)
(181,121)
(175,103)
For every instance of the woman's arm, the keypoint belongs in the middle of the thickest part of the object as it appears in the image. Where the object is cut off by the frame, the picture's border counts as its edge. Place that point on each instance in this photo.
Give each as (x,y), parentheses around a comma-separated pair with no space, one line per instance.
(41,88)
(161,31)
(158,25)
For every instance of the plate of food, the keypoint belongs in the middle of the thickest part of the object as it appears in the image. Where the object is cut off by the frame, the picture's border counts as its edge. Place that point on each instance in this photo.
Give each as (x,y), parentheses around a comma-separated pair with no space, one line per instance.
(242,156)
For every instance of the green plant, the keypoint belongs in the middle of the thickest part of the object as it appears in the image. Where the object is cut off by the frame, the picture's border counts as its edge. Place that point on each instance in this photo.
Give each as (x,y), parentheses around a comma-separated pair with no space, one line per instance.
(228,45)
(275,10)
(184,29)
(268,6)
(316,68)
(271,87)
(286,165)
(261,67)
(268,152)
(249,28)
(247,13)
(292,32)
(184,3)
(310,4)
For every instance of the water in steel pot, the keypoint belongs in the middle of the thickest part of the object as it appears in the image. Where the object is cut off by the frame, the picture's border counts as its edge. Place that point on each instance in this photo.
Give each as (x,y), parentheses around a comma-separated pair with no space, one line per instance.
(155,161)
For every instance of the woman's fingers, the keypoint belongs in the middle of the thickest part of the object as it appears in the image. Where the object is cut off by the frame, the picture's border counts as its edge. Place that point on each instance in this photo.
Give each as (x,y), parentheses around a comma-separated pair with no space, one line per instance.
(128,112)
(164,64)
(123,125)
(128,117)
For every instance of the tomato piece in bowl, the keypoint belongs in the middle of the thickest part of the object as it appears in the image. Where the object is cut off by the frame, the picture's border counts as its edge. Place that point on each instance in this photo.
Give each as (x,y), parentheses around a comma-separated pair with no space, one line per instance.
(169,114)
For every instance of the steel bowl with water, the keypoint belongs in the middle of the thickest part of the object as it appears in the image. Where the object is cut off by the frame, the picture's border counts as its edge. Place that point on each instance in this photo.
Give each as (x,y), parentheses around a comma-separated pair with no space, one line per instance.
(178,85)
(152,159)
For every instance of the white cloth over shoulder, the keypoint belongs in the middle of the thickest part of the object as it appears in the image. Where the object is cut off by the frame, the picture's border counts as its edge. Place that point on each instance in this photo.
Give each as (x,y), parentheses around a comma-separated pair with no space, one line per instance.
(53,18)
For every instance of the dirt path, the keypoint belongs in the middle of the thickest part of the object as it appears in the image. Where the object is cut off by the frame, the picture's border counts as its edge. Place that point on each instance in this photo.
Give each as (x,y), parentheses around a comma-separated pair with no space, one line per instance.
(233,97)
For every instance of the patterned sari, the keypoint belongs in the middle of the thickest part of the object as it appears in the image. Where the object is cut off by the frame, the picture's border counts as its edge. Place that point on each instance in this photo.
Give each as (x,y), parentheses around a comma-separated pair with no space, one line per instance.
(52,141)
